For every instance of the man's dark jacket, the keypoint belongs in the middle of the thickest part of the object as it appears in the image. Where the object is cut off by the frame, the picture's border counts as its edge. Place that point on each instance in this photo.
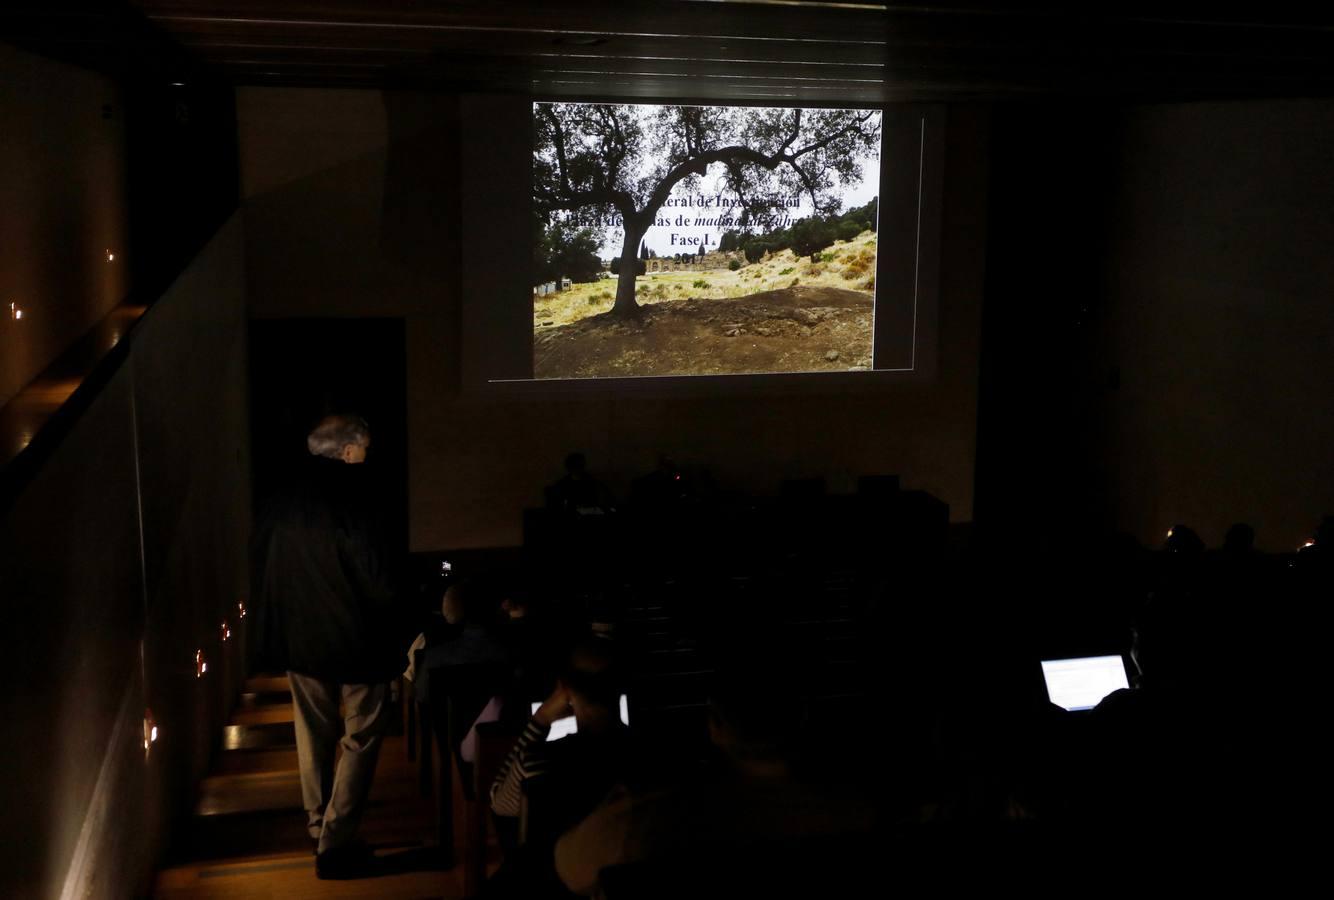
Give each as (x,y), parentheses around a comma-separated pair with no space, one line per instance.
(324,596)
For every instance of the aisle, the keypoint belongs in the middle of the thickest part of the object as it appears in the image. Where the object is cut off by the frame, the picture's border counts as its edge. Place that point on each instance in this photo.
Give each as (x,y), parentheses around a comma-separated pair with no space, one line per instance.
(247,837)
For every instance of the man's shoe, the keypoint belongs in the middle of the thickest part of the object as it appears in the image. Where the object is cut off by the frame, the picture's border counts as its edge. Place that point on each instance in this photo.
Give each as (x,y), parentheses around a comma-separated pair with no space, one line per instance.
(355,860)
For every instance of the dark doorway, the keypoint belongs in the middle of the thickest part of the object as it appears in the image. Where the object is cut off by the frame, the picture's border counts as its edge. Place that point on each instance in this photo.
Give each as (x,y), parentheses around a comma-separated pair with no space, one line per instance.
(303,369)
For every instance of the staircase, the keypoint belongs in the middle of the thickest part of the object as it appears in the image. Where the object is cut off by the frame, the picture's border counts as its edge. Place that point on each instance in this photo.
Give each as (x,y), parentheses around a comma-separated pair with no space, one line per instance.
(247,837)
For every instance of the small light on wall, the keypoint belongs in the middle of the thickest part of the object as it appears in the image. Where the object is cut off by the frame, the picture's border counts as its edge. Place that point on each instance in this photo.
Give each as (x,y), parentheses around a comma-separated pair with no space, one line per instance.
(240,610)
(1169,534)
(1308,545)
(201,665)
(150,730)
(111,257)
(226,631)
(14,312)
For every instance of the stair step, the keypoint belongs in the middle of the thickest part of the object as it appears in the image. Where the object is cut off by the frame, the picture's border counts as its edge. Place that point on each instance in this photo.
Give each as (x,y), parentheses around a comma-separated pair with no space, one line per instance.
(270,714)
(268,684)
(243,835)
(248,793)
(274,736)
(252,699)
(221,795)
(271,833)
(412,872)
(256,761)
(279,827)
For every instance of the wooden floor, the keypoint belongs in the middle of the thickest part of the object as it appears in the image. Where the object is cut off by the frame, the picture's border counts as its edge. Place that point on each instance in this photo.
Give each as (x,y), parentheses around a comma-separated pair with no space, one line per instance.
(248,839)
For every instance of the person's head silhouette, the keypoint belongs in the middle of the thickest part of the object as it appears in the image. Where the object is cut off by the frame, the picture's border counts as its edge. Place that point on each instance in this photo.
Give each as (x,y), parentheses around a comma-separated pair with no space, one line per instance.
(1183,541)
(1324,534)
(576,465)
(1240,540)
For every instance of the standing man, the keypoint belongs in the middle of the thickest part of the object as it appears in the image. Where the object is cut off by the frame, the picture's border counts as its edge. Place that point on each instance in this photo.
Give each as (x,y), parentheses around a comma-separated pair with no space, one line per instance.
(327,616)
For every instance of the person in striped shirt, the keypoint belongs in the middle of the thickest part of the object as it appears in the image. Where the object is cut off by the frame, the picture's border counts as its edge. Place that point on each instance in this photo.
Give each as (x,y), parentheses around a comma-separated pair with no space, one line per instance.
(565,779)
(753,796)
(579,768)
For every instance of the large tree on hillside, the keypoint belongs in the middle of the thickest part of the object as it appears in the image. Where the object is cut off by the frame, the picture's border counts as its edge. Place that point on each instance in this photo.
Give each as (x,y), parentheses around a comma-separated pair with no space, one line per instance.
(594,161)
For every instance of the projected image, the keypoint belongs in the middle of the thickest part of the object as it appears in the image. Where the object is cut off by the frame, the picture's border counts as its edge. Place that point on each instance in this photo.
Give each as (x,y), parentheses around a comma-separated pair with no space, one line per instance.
(703,240)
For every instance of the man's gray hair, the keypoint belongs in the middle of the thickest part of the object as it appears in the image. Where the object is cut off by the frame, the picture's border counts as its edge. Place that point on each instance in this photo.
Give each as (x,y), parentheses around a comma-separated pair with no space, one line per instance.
(335,432)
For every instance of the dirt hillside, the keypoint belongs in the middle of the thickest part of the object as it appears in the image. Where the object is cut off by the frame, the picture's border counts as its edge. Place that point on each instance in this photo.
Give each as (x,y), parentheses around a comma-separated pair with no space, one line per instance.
(794,329)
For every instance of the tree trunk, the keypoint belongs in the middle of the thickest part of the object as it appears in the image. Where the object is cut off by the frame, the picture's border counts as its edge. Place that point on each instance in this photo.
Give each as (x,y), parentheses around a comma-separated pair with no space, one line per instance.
(629,269)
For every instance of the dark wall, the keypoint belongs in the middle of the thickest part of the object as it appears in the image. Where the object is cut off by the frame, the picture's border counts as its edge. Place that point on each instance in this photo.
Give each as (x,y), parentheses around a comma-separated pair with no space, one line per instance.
(1052,183)
(110,183)
(1152,350)
(1217,322)
(302,370)
(1158,328)
(182,171)
(352,209)
(62,209)
(119,559)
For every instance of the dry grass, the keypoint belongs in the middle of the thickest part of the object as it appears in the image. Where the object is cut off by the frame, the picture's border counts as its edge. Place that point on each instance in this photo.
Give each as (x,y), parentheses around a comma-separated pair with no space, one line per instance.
(847,264)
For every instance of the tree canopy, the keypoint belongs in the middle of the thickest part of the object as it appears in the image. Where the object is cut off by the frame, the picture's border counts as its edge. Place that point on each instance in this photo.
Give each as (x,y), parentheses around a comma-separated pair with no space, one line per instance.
(626,160)
(560,249)
(602,163)
(805,236)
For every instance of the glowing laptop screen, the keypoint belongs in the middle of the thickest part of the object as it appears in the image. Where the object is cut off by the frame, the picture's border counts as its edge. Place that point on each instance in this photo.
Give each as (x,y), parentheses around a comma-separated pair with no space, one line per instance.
(566,726)
(1077,684)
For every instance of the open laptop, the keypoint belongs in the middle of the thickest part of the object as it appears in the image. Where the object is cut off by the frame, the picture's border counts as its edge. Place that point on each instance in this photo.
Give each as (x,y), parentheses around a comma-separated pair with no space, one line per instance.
(1079,684)
(561,727)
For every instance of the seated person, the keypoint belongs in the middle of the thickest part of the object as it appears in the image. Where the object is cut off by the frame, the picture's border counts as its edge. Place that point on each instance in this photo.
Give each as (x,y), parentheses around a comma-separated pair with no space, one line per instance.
(467,637)
(664,486)
(578,492)
(516,605)
(563,780)
(581,768)
(753,798)
(535,646)
(671,485)
(1170,750)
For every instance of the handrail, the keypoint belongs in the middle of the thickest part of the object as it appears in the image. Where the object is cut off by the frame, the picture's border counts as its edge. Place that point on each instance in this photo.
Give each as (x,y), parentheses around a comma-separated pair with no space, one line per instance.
(35,422)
